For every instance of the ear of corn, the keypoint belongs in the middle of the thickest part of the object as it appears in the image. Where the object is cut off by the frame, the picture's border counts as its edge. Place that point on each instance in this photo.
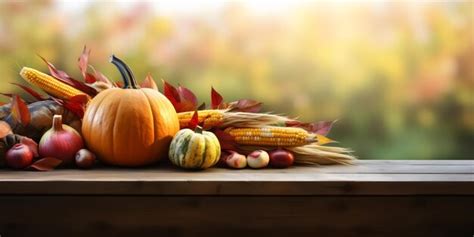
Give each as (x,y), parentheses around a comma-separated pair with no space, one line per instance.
(272,136)
(208,118)
(49,84)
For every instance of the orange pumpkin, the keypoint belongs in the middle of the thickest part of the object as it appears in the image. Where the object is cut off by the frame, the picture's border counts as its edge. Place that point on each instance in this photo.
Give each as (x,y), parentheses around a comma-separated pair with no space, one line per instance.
(131,126)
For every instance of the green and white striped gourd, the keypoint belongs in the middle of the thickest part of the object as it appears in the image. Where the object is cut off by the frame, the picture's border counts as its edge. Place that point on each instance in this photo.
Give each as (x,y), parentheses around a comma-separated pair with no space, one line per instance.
(196,149)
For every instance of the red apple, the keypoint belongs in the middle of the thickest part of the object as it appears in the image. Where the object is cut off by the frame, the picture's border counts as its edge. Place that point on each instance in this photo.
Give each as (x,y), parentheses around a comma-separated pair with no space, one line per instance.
(19,156)
(281,158)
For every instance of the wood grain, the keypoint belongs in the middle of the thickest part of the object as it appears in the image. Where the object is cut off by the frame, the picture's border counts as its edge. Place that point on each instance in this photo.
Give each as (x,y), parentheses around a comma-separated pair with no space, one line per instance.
(236,216)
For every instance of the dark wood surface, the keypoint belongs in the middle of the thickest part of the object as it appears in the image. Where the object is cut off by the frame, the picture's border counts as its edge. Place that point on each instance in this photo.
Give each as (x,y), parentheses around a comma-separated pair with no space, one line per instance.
(371,198)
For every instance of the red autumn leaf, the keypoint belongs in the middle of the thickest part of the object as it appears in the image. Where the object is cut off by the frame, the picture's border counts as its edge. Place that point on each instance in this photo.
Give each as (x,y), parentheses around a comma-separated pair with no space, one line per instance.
(188,100)
(76,104)
(118,84)
(65,78)
(149,83)
(226,141)
(182,98)
(193,123)
(45,164)
(216,99)
(19,110)
(171,93)
(61,75)
(89,78)
(245,105)
(30,91)
(30,143)
(83,61)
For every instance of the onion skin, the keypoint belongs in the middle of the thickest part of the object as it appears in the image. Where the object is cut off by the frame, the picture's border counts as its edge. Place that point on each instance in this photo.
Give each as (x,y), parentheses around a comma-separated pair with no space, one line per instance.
(19,156)
(61,142)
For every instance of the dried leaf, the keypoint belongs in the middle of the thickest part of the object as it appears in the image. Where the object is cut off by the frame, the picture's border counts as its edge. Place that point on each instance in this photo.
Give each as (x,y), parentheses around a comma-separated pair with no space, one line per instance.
(5,129)
(171,93)
(19,110)
(321,128)
(245,105)
(64,77)
(188,99)
(202,106)
(83,61)
(182,98)
(100,77)
(193,123)
(216,99)
(30,91)
(45,164)
(225,139)
(149,83)
(7,94)
(58,74)
(89,78)
(76,104)
(30,143)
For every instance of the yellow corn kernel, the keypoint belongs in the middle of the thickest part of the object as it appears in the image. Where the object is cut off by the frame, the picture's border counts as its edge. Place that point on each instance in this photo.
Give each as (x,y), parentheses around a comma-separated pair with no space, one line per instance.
(208,118)
(49,84)
(271,136)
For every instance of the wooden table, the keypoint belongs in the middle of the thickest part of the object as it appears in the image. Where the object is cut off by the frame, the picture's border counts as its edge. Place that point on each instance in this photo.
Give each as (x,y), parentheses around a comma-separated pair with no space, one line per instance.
(371,198)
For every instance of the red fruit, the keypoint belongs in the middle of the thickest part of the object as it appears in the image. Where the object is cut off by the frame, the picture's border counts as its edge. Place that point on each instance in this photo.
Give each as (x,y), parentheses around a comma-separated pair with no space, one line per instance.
(85,159)
(281,158)
(19,156)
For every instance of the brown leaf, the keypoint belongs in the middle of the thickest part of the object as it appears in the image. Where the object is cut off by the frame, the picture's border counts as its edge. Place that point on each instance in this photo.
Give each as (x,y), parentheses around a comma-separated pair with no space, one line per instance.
(5,129)
(202,106)
(45,164)
(245,105)
(216,99)
(30,91)
(171,93)
(321,128)
(19,110)
(75,104)
(83,61)
(30,143)
(149,83)
(101,77)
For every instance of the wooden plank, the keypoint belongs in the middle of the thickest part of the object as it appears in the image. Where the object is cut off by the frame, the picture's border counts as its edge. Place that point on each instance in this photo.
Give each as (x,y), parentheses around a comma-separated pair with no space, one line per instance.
(236,216)
(365,178)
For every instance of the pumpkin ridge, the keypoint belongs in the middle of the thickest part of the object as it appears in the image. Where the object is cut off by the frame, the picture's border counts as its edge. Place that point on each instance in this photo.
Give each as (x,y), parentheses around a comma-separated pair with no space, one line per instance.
(150,109)
(113,130)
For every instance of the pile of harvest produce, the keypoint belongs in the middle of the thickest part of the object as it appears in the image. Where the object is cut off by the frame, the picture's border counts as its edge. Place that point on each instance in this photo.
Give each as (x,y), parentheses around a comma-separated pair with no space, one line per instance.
(78,123)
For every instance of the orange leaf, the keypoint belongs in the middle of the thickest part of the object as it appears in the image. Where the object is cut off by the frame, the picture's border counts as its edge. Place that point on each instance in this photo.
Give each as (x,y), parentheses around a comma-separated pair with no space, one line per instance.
(5,129)
(20,110)
(45,164)
(149,82)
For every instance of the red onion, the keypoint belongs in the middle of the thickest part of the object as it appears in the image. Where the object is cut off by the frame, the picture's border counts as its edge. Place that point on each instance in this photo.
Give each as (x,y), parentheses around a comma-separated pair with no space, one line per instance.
(61,141)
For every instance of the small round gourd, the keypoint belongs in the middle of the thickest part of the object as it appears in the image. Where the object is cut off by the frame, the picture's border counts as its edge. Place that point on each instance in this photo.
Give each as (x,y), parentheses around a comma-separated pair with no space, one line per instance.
(196,149)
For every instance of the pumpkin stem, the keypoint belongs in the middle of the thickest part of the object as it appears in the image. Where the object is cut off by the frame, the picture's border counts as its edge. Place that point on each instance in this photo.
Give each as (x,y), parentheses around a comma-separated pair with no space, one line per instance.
(198,129)
(129,81)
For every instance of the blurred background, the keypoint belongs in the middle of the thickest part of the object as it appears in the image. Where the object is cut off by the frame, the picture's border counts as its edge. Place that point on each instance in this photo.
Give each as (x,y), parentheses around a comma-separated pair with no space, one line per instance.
(397,75)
